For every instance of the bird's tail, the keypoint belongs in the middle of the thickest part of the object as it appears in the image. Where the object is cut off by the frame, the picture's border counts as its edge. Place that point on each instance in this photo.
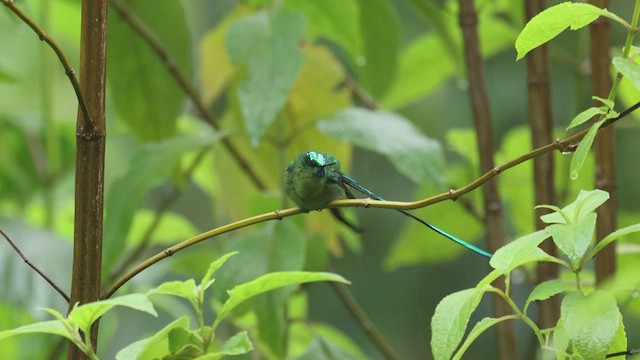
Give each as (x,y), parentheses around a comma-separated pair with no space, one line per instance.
(355,185)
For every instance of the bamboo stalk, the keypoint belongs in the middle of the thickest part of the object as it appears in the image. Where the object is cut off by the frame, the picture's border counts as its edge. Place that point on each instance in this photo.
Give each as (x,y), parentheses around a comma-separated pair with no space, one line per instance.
(604,145)
(541,123)
(90,146)
(494,219)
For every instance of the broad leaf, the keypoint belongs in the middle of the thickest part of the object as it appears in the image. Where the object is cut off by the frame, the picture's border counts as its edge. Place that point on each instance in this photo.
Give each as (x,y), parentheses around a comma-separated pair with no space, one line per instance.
(554,20)
(213,267)
(413,154)
(580,156)
(146,96)
(236,345)
(574,239)
(335,20)
(479,328)
(216,69)
(158,341)
(519,252)
(380,42)
(585,203)
(547,289)
(591,322)
(630,69)
(55,327)
(184,289)
(268,282)
(615,236)
(85,315)
(450,321)
(585,116)
(268,44)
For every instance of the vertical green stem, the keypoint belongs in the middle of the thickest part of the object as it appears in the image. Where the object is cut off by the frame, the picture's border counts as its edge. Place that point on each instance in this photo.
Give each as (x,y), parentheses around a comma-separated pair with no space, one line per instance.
(626,50)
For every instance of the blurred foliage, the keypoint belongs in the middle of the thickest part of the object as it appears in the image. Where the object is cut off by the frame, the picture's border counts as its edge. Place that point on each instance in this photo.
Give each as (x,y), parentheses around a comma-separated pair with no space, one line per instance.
(282,77)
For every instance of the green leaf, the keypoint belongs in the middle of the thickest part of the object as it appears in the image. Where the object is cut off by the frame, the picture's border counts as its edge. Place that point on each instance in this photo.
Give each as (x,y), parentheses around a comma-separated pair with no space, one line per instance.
(207,279)
(216,70)
(322,348)
(519,252)
(268,44)
(151,165)
(268,282)
(335,20)
(184,289)
(628,68)
(236,345)
(158,341)
(554,20)
(450,321)
(585,203)
(591,322)
(560,339)
(574,239)
(619,342)
(146,96)
(7,76)
(413,154)
(585,116)
(411,82)
(614,236)
(547,289)
(380,31)
(273,247)
(54,327)
(582,151)
(172,226)
(479,328)
(606,102)
(85,315)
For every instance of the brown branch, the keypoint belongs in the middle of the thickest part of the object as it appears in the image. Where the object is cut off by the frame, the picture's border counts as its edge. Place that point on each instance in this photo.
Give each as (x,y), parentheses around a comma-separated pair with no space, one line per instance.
(561,145)
(363,320)
(494,219)
(35,268)
(541,123)
(89,123)
(604,146)
(141,29)
(90,146)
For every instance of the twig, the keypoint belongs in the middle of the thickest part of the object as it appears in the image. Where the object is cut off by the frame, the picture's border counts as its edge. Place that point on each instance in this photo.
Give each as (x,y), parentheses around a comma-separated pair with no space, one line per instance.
(88,120)
(280,214)
(623,353)
(363,320)
(35,268)
(140,28)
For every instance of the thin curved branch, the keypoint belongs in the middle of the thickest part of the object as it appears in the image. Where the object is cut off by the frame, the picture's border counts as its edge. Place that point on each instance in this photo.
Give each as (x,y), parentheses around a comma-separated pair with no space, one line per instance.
(35,268)
(564,145)
(363,320)
(88,120)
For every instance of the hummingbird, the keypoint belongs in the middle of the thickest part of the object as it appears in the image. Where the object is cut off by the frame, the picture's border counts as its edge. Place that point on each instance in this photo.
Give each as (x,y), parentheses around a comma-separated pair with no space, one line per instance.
(313,179)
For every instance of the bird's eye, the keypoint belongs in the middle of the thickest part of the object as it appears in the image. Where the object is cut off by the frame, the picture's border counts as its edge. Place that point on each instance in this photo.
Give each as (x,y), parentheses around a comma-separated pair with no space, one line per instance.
(321,173)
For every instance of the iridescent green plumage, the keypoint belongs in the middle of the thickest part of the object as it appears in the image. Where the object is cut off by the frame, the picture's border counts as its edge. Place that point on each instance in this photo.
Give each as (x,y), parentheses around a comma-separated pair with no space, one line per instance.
(314,179)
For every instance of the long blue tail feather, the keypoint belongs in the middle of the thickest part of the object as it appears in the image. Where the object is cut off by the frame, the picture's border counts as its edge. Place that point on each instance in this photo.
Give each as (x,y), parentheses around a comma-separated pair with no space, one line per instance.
(354,184)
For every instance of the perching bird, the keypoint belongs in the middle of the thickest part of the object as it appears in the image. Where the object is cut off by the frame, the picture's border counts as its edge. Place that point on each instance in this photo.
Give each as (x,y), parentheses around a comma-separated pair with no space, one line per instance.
(313,179)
